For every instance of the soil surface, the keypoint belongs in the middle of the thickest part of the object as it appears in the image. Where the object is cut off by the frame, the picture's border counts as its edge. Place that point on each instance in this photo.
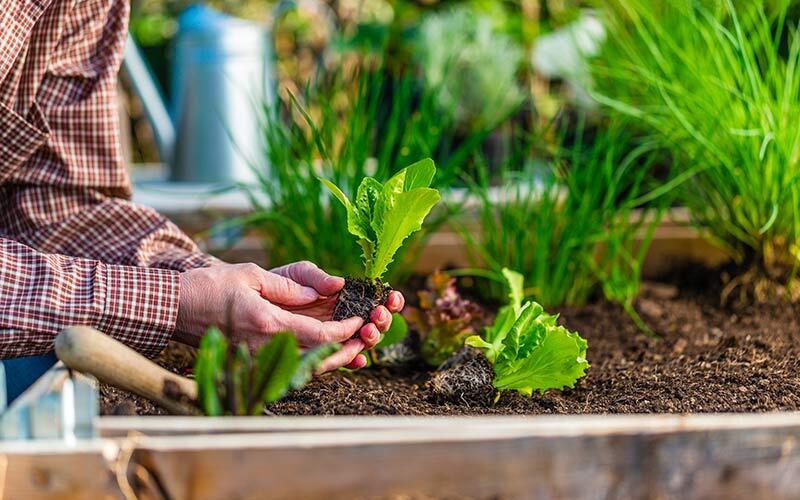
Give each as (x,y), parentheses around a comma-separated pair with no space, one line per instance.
(708,358)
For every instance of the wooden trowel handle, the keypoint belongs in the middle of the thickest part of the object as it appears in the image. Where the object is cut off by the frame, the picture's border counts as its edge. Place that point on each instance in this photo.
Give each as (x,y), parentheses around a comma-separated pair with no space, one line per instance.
(87,350)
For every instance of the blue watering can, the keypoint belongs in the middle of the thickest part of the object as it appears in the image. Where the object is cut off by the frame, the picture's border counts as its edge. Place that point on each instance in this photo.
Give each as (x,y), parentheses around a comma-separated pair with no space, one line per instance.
(223,70)
(221,74)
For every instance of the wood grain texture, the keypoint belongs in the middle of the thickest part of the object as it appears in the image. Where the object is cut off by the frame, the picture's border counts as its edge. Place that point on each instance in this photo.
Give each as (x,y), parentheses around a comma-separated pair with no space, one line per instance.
(641,456)
(646,457)
(34,470)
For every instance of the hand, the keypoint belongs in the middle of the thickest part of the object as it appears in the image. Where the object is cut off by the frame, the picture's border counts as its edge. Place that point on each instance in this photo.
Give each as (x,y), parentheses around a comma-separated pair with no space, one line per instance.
(249,305)
(328,287)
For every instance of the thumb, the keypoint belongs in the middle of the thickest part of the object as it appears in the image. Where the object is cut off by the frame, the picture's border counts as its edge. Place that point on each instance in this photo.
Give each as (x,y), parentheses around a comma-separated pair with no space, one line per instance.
(284,291)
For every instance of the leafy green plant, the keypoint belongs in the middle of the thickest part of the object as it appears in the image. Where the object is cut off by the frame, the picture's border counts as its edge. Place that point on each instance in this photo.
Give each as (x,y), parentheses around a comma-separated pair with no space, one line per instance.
(346,128)
(718,84)
(382,216)
(232,382)
(444,319)
(528,350)
(576,220)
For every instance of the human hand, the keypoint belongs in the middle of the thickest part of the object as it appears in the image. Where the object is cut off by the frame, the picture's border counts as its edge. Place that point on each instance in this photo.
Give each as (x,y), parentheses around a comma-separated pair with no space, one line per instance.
(328,287)
(250,305)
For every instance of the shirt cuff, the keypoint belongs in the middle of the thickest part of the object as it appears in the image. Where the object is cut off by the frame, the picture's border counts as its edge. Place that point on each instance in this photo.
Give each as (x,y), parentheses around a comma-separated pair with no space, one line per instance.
(141,306)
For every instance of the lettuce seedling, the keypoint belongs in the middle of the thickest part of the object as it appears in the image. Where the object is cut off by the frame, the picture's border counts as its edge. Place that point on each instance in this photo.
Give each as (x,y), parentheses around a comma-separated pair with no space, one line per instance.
(232,382)
(381,217)
(444,319)
(528,350)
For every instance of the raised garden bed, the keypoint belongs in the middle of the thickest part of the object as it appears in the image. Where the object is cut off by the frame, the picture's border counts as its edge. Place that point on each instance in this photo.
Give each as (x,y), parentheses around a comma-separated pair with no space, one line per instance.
(709,358)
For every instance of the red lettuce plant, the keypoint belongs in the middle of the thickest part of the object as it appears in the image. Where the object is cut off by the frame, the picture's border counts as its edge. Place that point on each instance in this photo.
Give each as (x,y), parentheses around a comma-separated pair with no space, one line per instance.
(444,319)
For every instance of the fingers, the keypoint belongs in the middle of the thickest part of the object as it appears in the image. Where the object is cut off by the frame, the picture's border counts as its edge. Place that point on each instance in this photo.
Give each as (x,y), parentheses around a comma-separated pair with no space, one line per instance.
(370,335)
(358,362)
(346,356)
(308,274)
(395,302)
(277,288)
(312,332)
(382,318)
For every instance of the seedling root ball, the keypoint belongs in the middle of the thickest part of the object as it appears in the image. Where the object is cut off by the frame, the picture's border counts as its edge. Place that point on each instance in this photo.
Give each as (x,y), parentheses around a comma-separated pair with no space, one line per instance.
(360,297)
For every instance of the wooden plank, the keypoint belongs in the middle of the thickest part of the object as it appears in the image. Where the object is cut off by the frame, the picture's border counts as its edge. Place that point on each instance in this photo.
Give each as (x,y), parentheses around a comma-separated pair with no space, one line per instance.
(50,469)
(674,243)
(733,462)
(543,425)
(634,456)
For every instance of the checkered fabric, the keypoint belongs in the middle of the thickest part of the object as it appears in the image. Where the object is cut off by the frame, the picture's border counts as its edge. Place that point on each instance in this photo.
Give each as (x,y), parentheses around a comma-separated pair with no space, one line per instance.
(73,248)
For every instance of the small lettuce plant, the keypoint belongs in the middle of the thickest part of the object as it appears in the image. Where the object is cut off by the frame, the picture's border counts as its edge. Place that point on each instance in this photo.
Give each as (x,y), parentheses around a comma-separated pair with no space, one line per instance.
(232,382)
(528,350)
(381,217)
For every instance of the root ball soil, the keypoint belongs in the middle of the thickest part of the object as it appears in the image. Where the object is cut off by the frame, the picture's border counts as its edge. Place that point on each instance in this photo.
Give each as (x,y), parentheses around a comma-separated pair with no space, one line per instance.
(359,297)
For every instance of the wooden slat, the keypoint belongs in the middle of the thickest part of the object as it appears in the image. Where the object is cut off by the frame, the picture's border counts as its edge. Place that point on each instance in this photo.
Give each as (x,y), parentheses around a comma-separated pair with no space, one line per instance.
(545,425)
(492,462)
(33,470)
(746,456)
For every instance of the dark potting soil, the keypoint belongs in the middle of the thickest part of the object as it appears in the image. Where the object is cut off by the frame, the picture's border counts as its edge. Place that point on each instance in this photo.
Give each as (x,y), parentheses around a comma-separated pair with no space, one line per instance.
(708,358)
(359,297)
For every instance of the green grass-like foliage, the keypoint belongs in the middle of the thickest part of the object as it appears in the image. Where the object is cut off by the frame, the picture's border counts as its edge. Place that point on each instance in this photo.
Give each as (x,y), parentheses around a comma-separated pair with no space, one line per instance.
(382,216)
(232,382)
(578,217)
(344,128)
(528,350)
(718,82)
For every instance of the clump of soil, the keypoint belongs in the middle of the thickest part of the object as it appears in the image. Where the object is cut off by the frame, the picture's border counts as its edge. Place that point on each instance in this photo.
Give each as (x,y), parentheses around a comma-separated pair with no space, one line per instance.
(359,297)
(464,377)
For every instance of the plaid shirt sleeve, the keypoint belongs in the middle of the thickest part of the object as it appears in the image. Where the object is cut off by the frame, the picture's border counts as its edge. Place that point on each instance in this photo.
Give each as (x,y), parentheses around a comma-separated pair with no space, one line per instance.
(73,248)
(44,293)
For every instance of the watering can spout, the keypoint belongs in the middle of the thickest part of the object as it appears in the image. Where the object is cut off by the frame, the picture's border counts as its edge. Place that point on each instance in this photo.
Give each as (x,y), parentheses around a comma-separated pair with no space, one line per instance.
(155,109)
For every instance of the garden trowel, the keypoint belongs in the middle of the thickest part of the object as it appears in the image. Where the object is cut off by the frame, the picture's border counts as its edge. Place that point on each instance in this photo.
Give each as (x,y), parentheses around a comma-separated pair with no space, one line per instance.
(89,351)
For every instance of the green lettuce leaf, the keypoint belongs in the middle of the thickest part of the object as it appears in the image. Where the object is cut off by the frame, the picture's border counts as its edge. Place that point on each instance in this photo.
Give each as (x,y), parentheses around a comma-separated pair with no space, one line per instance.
(555,358)
(528,350)
(384,215)
(419,174)
(516,288)
(356,223)
(396,332)
(403,219)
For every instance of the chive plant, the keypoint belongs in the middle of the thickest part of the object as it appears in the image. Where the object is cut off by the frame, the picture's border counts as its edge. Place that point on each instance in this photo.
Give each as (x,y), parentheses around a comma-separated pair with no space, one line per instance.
(718,83)
(576,220)
(345,129)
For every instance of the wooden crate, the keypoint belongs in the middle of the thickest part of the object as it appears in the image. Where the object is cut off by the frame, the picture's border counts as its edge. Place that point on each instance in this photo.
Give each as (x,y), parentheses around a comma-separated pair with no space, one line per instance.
(647,456)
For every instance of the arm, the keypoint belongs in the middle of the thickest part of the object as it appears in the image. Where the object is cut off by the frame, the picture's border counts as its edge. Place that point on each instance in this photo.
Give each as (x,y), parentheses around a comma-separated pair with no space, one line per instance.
(111,230)
(41,294)
(64,186)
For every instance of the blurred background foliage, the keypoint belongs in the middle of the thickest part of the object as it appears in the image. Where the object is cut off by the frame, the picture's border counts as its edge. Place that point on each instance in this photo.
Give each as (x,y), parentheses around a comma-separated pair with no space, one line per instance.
(477,52)
(493,90)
